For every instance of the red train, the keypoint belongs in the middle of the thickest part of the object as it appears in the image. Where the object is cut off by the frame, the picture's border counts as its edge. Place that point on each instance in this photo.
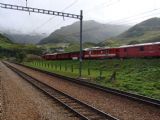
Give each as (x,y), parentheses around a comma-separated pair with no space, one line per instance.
(127,51)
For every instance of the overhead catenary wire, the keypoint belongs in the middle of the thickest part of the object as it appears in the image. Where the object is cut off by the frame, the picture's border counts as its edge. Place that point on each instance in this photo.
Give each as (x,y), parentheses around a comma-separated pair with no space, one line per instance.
(69,6)
(136,19)
(133,16)
(106,4)
(130,17)
(103,5)
(140,18)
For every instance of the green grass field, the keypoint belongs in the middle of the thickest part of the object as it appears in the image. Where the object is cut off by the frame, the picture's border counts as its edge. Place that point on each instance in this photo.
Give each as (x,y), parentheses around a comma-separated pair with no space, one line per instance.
(140,76)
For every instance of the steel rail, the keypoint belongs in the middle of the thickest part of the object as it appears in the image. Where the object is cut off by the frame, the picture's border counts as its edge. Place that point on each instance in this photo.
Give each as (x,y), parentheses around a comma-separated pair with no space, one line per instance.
(135,97)
(83,110)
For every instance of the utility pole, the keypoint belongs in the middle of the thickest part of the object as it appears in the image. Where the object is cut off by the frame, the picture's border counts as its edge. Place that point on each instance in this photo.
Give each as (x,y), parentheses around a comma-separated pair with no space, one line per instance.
(55,13)
(81,52)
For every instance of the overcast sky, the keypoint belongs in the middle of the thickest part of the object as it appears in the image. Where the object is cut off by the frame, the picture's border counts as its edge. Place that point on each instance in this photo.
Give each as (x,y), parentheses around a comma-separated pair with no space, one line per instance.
(104,11)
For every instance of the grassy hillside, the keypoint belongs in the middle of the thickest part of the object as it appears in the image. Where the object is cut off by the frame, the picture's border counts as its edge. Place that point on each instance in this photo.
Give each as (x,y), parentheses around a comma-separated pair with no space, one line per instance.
(4,39)
(5,43)
(140,76)
(9,49)
(146,31)
(148,36)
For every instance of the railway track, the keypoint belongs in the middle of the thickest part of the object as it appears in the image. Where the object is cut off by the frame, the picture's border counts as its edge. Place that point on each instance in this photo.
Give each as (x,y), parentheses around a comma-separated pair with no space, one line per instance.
(81,109)
(135,97)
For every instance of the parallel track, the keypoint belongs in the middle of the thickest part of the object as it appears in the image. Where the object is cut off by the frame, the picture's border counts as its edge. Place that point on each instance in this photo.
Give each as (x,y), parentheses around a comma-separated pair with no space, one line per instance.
(135,97)
(81,109)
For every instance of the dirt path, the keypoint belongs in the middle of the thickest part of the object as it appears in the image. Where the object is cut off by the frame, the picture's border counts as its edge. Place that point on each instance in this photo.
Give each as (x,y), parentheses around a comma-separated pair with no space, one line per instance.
(119,107)
(21,101)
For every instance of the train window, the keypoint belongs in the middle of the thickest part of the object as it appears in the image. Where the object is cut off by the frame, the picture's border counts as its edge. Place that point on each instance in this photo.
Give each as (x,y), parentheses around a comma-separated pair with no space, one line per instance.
(107,51)
(141,48)
(125,49)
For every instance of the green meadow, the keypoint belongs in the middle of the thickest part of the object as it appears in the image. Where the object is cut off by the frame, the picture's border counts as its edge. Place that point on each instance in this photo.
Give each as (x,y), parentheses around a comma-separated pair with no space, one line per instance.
(139,76)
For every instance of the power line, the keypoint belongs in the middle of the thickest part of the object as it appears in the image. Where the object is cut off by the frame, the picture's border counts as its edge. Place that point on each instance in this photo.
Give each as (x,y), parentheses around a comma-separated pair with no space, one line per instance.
(139,14)
(135,18)
(69,6)
(131,18)
(103,5)
(73,3)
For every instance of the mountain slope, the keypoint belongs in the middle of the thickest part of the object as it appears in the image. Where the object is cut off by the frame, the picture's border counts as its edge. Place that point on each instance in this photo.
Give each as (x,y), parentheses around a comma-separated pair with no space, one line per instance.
(4,39)
(140,29)
(5,42)
(24,38)
(13,50)
(92,32)
(146,31)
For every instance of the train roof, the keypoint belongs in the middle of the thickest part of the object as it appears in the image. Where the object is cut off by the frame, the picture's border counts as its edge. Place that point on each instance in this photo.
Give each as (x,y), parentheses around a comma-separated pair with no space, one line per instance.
(95,48)
(143,44)
(61,53)
(51,54)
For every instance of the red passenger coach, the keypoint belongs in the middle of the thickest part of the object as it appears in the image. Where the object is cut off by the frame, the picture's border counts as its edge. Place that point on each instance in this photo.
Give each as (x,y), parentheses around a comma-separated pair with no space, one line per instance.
(74,55)
(94,53)
(128,51)
(63,56)
(112,52)
(140,50)
(100,53)
(50,56)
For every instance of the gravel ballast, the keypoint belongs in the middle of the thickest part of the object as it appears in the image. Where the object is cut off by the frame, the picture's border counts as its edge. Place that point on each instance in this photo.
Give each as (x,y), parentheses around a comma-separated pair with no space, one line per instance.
(22,101)
(117,106)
